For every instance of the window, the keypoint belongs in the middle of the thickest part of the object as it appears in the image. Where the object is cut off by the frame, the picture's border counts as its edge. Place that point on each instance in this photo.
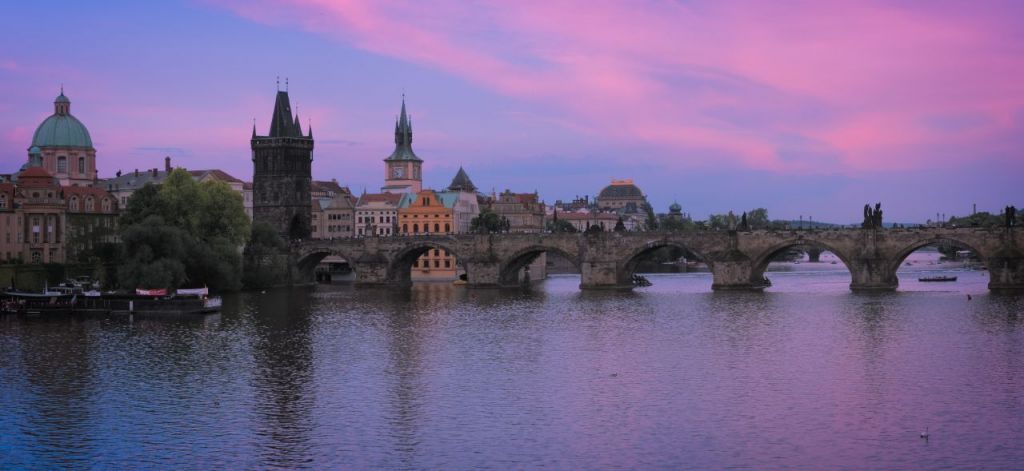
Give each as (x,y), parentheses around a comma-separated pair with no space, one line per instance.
(437,252)
(405,228)
(74,203)
(447,227)
(416,263)
(90,205)
(3,201)
(447,263)
(437,264)
(437,227)
(62,164)
(81,165)
(107,205)
(426,201)
(415,228)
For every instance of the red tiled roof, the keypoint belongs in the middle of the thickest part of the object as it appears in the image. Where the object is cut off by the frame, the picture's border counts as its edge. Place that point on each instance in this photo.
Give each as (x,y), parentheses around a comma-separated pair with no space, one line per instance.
(328,185)
(393,198)
(34,172)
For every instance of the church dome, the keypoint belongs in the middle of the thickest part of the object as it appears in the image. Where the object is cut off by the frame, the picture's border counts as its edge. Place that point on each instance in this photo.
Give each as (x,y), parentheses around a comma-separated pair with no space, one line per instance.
(61,129)
(621,189)
(675,208)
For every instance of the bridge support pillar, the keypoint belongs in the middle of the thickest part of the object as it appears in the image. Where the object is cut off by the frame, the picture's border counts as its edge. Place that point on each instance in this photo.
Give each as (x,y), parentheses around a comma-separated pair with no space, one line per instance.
(603,275)
(483,274)
(1006,274)
(734,275)
(814,255)
(872,274)
(371,273)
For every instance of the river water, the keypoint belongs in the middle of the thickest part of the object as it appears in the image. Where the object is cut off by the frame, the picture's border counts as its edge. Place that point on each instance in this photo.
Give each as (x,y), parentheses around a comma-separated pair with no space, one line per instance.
(803,376)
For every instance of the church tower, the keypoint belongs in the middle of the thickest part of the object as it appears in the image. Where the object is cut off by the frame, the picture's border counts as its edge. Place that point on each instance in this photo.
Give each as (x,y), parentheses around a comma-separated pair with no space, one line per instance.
(282,173)
(402,168)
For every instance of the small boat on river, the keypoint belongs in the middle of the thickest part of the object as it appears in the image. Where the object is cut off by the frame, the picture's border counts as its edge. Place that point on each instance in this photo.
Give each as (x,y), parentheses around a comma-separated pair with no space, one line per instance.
(937,278)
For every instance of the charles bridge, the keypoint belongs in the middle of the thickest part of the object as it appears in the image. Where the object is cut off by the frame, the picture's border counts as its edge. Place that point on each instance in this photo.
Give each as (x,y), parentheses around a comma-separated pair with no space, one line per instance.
(607,260)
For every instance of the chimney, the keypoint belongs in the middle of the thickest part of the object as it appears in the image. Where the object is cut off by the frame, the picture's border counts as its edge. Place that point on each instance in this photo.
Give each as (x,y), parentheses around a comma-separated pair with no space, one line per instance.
(136,172)
(167,164)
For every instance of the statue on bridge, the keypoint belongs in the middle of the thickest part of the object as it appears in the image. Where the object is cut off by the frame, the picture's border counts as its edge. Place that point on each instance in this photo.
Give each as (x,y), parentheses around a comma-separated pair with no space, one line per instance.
(1011,216)
(744,225)
(872,217)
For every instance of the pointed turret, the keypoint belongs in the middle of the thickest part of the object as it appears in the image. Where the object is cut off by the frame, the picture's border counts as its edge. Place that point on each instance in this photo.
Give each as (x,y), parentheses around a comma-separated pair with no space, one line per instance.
(298,124)
(403,138)
(281,123)
(461,182)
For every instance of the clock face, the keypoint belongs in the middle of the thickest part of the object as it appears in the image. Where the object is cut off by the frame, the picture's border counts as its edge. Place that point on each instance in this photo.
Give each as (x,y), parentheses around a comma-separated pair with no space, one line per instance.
(397,172)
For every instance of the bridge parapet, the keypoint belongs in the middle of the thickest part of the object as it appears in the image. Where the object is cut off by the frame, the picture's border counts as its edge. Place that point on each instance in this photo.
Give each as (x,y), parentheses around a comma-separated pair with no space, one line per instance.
(607,260)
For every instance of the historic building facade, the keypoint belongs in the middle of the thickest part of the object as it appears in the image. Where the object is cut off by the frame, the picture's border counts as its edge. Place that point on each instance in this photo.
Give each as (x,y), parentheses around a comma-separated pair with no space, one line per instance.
(377,214)
(282,173)
(333,210)
(429,212)
(523,211)
(621,194)
(50,212)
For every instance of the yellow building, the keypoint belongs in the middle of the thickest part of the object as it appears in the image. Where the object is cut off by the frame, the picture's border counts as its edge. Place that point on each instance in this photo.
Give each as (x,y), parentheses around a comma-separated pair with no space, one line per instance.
(423,213)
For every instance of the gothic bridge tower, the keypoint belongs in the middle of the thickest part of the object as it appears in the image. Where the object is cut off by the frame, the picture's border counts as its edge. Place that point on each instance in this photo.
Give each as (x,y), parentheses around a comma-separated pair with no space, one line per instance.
(402,168)
(282,173)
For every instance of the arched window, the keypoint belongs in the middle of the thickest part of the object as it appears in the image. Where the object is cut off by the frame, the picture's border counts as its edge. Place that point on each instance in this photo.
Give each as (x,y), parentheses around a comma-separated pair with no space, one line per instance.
(90,205)
(3,201)
(62,164)
(405,228)
(107,205)
(437,227)
(81,165)
(73,205)
(415,228)
(447,227)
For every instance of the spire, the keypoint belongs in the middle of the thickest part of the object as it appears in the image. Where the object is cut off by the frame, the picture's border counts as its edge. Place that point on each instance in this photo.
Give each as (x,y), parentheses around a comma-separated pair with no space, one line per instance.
(254,128)
(310,129)
(283,123)
(403,137)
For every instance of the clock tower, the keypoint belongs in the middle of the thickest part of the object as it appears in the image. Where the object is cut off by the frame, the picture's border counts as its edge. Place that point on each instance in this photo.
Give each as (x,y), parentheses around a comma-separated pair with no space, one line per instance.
(402,169)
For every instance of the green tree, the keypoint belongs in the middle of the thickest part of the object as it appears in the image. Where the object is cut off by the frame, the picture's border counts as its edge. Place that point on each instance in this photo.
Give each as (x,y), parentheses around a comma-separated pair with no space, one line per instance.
(560,225)
(652,219)
(209,222)
(758,218)
(487,222)
(265,261)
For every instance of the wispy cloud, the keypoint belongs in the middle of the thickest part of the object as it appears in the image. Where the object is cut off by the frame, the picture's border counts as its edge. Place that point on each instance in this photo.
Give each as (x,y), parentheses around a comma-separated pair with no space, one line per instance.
(864,81)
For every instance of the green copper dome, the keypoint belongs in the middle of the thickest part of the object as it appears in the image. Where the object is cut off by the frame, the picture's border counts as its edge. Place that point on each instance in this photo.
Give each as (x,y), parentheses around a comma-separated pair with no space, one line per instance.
(61,129)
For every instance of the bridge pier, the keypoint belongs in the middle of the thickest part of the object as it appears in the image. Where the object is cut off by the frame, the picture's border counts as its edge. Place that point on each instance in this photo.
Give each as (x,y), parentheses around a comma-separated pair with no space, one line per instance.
(1006,273)
(814,255)
(482,274)
(872,274)
(604,275)
(372,273)
(734,275)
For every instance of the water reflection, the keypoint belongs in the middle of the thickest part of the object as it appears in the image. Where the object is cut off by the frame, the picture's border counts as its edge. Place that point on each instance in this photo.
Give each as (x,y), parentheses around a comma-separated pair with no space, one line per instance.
(282,379)
(440,376)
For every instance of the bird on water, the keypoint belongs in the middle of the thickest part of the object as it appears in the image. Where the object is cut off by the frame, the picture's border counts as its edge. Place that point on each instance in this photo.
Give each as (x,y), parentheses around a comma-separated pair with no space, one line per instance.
(925,433)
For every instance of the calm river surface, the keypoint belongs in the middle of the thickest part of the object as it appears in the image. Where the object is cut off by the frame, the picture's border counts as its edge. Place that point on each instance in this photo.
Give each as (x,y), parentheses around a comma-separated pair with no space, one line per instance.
(806,375)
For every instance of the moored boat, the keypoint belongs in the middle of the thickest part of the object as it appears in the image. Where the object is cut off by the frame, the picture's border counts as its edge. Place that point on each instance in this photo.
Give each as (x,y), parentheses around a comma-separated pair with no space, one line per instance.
(937,278)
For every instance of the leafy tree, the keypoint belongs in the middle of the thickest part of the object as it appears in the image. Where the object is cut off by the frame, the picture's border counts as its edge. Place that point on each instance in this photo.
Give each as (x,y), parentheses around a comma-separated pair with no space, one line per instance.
(209,225)
(560,225)
(677,225)
(758,218)
(265,264)
(487,222)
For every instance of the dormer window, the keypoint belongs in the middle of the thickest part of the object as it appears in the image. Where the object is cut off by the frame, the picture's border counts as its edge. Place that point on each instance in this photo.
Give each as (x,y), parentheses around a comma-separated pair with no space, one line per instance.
(90,205)
(73,205)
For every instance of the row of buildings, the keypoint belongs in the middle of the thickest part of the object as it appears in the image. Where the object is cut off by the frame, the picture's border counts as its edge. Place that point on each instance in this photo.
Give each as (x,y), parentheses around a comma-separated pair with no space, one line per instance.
(56,209)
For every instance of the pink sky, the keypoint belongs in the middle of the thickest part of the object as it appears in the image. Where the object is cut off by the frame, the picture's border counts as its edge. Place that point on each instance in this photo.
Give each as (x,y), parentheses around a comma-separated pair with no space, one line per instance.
(858,96)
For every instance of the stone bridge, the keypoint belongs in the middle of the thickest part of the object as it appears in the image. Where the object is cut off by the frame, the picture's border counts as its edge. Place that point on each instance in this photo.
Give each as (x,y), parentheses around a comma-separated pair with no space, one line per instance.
(607,260)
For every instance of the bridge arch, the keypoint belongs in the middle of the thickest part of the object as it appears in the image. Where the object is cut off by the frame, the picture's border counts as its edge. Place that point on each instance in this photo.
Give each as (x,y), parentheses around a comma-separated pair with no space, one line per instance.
(309,259)
(761,261)
(508,275)
(905,252)
(630,262)
(401,264)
